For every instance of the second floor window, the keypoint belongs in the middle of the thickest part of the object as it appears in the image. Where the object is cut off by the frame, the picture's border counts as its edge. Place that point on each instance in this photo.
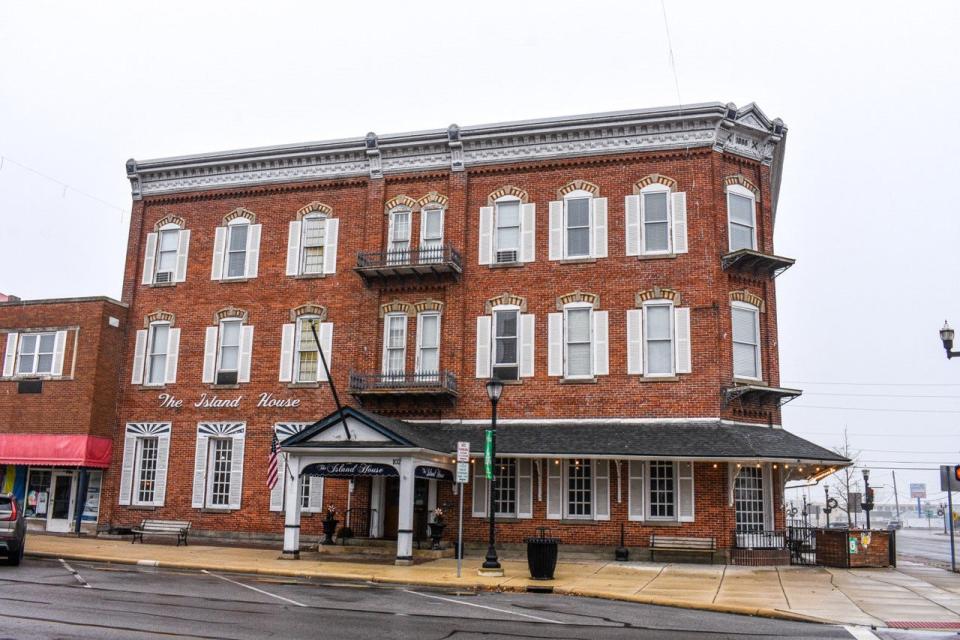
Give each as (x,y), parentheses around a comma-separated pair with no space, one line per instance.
(658,340)
(394,344)
(428,343)
(578,343)
(36,354)
(746,341)
(228,360)
(741,209)
(506,344)
(308,359)
(159,339)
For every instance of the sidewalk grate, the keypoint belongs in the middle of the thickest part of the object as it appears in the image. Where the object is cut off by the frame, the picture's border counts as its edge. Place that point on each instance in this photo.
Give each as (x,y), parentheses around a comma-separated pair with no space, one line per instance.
(923,624)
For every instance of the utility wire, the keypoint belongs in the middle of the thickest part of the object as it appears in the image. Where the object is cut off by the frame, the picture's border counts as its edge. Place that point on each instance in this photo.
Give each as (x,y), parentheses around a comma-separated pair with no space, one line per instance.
(815,406)
(66,187)
(876,384)
(673,62)
(878,395)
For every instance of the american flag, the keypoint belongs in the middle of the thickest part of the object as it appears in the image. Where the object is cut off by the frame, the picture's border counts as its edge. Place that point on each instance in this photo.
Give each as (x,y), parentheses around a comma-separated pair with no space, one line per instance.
(272,463)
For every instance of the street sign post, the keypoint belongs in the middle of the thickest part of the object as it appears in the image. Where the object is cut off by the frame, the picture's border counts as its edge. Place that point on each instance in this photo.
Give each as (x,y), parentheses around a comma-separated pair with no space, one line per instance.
(463,477)
(950,482)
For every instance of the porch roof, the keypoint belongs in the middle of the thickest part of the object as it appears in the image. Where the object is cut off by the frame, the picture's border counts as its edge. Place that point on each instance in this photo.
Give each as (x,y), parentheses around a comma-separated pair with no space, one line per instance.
(705,440)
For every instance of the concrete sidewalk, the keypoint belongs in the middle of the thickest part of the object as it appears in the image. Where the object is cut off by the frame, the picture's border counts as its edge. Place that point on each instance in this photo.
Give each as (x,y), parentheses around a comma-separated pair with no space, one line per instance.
(911,593)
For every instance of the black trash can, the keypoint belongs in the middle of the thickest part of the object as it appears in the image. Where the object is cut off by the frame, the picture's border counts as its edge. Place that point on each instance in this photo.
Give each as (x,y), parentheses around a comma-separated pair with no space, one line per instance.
(542,556)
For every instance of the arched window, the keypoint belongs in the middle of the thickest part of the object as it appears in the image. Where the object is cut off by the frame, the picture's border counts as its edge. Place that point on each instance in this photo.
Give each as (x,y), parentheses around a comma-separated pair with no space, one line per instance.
(165,254)
(313,243)
(655,223)
(398,235)
(238,231)
(577,224)
(431,233)
(507,226)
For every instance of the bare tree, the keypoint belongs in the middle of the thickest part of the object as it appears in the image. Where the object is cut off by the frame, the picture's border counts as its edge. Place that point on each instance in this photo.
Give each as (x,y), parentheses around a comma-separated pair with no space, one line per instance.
(845,482)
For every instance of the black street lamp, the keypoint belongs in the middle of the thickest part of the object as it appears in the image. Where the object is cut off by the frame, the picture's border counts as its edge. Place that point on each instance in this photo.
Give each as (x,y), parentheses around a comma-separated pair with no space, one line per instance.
(494,390)
(867,504)
(946,335)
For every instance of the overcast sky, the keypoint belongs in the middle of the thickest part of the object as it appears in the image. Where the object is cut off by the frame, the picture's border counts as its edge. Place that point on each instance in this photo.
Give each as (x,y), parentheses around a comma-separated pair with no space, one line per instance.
(868,205)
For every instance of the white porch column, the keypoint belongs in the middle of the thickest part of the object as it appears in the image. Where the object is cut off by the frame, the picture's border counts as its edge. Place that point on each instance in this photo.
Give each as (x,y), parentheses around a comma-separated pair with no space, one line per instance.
(405,515)
(376,507)
(291,522)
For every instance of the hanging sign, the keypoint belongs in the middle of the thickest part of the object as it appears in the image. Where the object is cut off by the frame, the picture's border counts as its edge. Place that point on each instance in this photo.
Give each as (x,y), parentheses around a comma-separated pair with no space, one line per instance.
(463,462)
(349,470)
(488,455)
(463,452)
(433,473)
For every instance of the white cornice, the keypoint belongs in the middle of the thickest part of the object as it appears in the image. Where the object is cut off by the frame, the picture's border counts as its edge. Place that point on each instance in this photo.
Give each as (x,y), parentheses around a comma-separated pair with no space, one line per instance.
(746,132)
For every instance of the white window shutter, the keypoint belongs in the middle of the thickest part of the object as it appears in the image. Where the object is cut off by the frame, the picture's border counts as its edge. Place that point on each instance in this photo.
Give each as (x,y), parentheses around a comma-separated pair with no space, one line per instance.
(163,454)
(10,354)
(139,355)
(480,498)
(325,333)
(486,235)
(246,353)
(678,203)
(599,206)
(183,254)
(293,248)
(200,472)
(173,355)
(767,488)
(276,494)
(524,488)
(554,489)
(632,205)
(253,250)
(149,258)
(59,347)
(635,489)
(126,470)
(330,246)
(483,346)
(682,337)
(635,342)
(556,230)
(210,355)
(528,232)
(315,494)
(732,472)
(685,510)
(527,328)
(601,343)
(286,352)
(555,344)
(601,489)
(236,470)
(219,246)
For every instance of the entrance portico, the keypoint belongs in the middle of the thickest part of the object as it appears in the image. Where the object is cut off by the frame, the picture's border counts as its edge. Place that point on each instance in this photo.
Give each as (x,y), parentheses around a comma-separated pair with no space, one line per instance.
(362,447)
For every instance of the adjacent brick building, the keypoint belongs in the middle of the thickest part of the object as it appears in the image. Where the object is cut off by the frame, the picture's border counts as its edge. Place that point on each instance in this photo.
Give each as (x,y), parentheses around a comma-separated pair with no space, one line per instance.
(58,402)
(616,271)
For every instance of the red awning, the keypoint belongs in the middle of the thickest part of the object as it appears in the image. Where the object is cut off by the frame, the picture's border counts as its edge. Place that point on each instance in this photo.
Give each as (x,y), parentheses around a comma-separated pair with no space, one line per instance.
(55,450)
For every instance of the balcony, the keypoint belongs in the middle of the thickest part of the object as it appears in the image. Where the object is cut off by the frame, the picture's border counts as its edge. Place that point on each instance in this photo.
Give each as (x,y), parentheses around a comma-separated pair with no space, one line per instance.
(432,385)
(753,263)
(421,263)
(759,393)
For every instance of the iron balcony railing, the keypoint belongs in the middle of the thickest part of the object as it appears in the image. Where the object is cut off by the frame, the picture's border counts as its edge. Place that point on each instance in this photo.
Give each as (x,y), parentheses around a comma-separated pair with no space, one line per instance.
(425,258)
(759,539)
(423,383)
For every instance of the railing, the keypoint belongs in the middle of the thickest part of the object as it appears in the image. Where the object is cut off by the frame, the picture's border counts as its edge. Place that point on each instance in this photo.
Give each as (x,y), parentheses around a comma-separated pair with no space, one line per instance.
(432,254)
(357,521)
(429,381)
(760,539)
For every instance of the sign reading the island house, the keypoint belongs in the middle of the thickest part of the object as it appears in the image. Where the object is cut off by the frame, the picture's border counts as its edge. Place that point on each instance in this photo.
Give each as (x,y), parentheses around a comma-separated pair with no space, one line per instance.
(433,473)
(348,470)
(264,401)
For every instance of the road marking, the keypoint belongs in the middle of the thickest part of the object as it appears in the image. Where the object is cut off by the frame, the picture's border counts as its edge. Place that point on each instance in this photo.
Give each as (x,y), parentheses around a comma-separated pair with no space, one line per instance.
(481,606)
(83,583)
(148,563)
(247,586)
(860,633)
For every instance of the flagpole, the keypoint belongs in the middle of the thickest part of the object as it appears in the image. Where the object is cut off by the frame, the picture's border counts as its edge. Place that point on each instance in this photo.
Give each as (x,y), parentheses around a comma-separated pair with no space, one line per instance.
(336,398)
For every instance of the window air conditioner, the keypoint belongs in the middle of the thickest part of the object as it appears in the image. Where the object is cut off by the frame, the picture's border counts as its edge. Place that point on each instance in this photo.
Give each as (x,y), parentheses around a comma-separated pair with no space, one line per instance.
(507,256)
(164,277)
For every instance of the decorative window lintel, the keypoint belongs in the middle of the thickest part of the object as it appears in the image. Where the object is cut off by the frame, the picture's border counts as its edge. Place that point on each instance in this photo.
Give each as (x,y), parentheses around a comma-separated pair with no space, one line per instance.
(505,299)
(395,306)
(578,296)
(654,178)
(433,198)
(158,316)
(240,212)
(309,309)
(229,312)
(399,201)
(170,219)
(578,185)
(657,293)
(508,190)
(314,207)
(740,179)
(428,305)
(749,298)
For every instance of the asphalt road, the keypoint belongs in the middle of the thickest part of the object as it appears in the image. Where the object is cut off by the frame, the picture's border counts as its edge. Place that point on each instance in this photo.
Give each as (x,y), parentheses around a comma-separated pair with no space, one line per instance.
(51,599)
(929,546)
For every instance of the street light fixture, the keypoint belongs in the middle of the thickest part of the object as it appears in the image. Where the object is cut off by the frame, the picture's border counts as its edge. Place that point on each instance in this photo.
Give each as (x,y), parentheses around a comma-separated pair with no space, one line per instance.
(494,391)
(867,504)
(946,335)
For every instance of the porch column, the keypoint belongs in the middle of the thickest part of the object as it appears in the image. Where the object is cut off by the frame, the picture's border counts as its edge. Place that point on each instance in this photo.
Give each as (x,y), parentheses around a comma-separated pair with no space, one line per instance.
(291,520)
(405,515)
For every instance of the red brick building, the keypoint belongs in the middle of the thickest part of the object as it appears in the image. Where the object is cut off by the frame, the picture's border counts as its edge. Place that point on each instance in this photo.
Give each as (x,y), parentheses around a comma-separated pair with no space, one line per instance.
(58,402)
(616,271)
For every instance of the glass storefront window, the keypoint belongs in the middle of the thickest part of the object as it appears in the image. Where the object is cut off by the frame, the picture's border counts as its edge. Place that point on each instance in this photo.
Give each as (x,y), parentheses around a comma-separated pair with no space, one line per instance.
(38,493)
(91,509)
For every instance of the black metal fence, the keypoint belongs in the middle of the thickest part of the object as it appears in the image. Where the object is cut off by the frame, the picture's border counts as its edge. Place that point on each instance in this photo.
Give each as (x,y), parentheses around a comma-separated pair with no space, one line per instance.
(356,523)
(433,380)
(425,254)
(762,547)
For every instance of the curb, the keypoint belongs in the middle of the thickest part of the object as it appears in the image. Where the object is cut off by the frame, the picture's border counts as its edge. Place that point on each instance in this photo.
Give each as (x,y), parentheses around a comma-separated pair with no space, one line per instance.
(662,601)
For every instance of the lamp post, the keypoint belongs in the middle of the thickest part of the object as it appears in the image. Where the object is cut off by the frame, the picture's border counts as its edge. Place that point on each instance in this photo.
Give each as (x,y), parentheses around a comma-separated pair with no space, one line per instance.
(826,504)
(867,504)
(494,389)
(946,335)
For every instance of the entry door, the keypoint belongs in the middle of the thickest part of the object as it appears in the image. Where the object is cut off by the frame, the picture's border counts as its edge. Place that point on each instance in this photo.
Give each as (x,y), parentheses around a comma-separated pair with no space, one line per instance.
(60,512)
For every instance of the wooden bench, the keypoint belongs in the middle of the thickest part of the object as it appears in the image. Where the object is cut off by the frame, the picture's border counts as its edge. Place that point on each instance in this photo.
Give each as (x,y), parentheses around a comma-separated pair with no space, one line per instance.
(681,544)
(177,528)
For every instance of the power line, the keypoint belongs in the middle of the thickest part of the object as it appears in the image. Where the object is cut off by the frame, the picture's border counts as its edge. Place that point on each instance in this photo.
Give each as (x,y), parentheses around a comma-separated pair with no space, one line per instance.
(877,395)
(66,187)
(877,384)
(673,62)
(815,406)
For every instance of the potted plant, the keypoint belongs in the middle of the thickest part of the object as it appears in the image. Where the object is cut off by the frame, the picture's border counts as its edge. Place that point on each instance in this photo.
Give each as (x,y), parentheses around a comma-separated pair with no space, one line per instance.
(436,528)
(329,524)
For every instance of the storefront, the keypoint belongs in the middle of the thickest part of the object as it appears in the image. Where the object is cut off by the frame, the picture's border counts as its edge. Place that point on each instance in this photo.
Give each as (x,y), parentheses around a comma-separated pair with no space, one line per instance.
(57,479)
